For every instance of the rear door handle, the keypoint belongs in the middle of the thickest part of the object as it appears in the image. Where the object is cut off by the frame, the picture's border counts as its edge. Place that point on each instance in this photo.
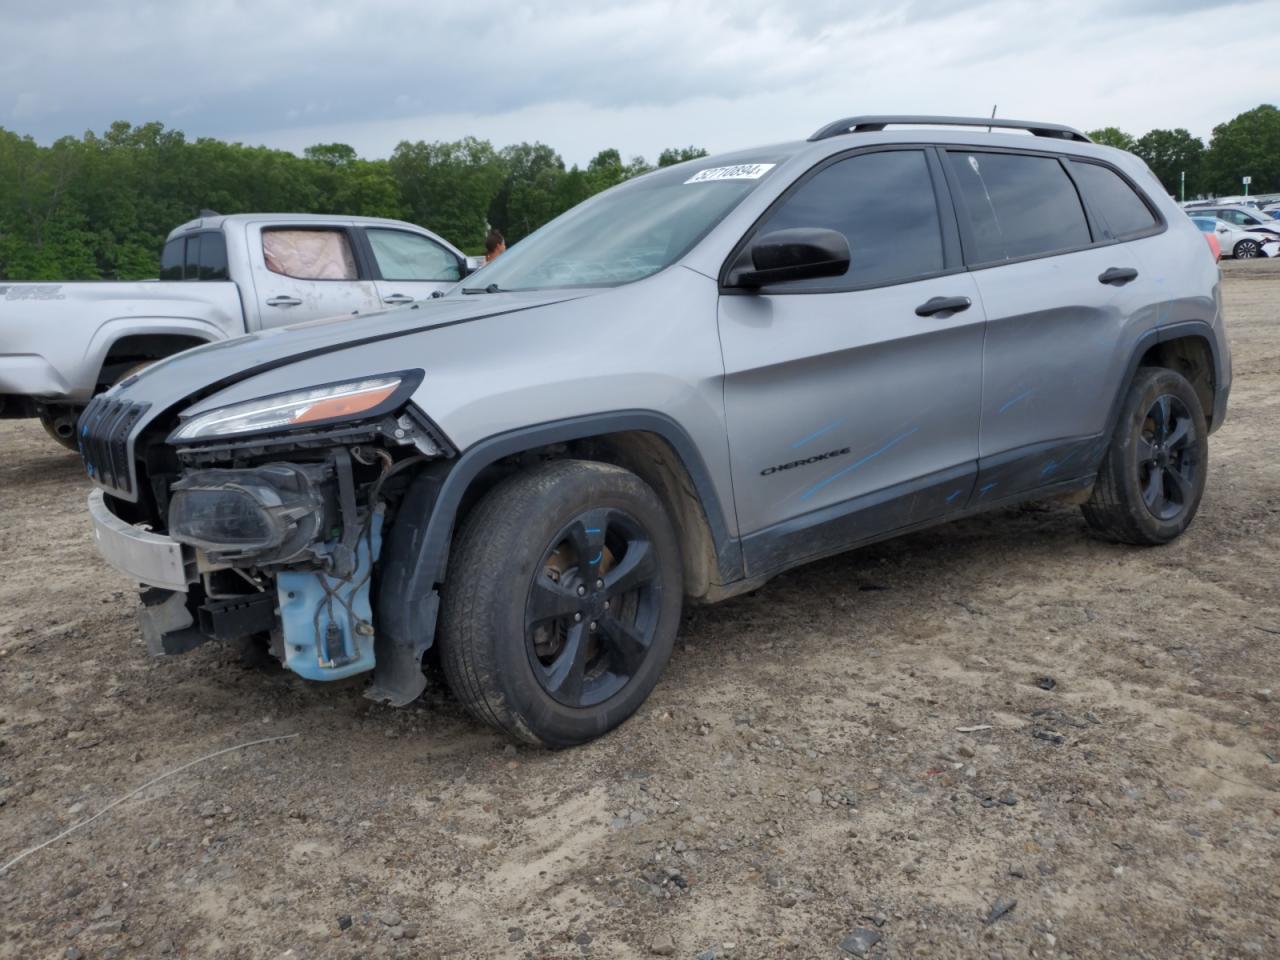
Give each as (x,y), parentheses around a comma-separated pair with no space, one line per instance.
(397,298)
(943,305)
(1118,275)
(283,302)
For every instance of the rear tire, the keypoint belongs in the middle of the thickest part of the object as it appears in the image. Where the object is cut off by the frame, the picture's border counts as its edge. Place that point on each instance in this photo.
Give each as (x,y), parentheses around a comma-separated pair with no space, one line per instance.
(1153,474)
(562,602)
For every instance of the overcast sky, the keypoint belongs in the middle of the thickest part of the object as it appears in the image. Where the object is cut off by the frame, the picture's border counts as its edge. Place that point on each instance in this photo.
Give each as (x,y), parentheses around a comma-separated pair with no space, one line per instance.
(637,75)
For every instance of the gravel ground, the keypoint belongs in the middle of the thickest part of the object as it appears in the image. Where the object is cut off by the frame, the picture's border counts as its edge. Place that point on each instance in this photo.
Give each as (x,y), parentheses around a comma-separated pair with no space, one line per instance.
(858,759)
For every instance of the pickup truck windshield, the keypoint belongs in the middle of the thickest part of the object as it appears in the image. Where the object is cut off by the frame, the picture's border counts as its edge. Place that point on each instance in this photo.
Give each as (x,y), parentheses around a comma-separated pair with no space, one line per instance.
(626,234)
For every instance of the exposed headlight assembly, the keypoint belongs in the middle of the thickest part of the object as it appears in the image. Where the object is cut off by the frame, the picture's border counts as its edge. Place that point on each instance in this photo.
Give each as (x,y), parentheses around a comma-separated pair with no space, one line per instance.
(336,402)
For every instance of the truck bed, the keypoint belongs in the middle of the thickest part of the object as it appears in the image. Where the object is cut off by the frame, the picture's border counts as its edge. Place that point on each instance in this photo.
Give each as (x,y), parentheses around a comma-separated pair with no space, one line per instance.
(54,337)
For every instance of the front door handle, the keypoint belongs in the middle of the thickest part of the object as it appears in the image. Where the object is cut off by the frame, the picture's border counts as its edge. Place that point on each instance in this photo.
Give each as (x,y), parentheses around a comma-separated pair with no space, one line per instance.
(1118,275)
(283,302)
(397,298)
(943,305)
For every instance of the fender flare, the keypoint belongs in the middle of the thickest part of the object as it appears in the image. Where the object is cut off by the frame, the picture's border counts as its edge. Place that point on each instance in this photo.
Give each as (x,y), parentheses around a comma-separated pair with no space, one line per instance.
(415,556)
(116,329)
(1157,335)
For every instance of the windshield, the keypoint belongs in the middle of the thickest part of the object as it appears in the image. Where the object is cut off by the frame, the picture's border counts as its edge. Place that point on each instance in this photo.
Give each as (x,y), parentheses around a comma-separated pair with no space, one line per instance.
(625,234)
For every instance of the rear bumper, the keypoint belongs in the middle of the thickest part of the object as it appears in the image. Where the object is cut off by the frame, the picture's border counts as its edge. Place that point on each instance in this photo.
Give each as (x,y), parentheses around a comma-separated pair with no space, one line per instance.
(147,557)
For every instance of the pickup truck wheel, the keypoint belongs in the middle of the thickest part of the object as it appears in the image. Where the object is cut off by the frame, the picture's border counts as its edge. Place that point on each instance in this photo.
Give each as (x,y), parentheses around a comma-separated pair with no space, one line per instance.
(1153,474)
(562,602)
(59,422)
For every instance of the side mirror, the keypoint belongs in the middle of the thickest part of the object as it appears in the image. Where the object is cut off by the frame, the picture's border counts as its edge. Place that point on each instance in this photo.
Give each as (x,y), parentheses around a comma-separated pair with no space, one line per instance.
(799,253)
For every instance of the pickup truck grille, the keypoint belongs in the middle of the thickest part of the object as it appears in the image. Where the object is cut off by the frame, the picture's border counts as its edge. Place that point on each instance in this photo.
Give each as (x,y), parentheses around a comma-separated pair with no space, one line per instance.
(104,443)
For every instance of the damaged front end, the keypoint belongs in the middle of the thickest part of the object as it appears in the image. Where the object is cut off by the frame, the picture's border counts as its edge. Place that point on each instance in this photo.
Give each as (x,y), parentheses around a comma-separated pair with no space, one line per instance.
(278,509)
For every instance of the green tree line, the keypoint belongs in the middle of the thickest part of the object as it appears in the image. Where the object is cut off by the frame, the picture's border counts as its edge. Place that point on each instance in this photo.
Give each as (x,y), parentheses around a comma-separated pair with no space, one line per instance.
(99,207)
(1247,145)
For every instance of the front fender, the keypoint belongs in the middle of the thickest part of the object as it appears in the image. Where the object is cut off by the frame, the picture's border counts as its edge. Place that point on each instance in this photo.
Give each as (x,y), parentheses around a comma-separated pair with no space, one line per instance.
(415,558)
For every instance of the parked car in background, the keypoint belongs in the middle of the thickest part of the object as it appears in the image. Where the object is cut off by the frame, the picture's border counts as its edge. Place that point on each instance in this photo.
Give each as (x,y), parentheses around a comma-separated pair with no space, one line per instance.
(1240,201)
(1238,215)
(220,277)
(1238,242)
(678,389)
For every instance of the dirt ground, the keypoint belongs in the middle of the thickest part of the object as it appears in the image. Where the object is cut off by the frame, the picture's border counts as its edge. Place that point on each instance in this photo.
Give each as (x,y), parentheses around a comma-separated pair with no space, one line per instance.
(858,750)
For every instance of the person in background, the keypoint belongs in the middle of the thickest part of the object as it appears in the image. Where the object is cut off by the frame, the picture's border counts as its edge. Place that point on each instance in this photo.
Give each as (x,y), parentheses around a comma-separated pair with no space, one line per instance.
(494,244)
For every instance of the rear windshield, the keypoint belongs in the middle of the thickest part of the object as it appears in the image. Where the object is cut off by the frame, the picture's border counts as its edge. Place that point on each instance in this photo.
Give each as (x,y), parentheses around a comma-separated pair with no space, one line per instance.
(627,233)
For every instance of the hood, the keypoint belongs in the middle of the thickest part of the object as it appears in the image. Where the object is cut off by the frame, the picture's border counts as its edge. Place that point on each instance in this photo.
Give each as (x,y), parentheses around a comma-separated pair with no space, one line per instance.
(205,369)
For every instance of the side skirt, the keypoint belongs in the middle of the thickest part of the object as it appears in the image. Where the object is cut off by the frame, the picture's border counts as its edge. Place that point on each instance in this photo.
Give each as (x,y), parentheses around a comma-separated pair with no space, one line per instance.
(1059,468)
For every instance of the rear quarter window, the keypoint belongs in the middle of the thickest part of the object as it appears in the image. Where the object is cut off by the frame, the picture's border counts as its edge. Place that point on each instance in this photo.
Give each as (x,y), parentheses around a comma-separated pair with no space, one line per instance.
(211,264)
(171,259)
(1121,213)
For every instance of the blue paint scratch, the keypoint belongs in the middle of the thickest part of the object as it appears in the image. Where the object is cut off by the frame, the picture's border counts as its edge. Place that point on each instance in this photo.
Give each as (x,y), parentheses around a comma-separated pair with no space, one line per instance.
(982,491)
(817,433)
(596,559)
(1019,398)
(854,466)
(1049,467)
(955,494)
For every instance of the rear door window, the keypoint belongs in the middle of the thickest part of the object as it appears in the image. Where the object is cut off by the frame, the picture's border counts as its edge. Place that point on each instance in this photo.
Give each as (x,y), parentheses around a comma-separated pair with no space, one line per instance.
(309,254)
(884,205)
(212,261)
(1016,205)
(409,256)
(1121,213)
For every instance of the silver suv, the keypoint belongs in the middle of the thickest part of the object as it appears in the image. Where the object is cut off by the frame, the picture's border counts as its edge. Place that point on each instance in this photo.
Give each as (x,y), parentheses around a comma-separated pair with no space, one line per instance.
(675,391)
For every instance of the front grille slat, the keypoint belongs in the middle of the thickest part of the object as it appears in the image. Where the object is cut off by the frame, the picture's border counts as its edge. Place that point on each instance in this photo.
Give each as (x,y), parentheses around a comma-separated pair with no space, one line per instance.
(105,426)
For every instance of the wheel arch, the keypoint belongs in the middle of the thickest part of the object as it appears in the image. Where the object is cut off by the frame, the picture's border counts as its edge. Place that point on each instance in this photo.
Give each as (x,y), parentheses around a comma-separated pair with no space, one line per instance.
(650,444)
(1188,347)
(134,348)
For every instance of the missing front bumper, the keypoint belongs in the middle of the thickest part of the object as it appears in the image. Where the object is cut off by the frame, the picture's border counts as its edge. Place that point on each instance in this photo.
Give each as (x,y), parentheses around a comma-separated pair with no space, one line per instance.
(147,557)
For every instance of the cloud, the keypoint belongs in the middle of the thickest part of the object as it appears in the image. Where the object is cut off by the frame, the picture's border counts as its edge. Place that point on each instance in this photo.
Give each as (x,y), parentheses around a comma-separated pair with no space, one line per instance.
(637,74)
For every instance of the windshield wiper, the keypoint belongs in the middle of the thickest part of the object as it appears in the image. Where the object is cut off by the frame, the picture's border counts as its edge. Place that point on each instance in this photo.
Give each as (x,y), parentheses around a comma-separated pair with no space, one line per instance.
(491,288)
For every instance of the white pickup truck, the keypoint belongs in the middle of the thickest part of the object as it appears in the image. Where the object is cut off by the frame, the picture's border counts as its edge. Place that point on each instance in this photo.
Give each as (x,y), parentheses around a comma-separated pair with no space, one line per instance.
(220,277)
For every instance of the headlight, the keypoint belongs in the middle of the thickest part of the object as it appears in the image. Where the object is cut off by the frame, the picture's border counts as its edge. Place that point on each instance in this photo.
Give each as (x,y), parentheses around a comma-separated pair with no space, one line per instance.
(339,401)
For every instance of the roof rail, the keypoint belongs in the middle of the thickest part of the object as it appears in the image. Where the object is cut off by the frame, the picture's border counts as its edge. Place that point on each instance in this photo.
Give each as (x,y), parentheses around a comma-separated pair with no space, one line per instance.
(873,123)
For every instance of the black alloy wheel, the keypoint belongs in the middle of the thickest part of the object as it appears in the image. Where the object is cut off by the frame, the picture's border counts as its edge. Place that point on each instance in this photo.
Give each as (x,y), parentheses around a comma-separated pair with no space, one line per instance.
(561,602)
(590,625)
(1167,458)
(1153,473)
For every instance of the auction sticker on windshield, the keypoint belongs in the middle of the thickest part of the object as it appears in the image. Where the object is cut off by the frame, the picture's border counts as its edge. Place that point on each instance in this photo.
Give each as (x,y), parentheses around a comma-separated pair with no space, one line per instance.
(740,171)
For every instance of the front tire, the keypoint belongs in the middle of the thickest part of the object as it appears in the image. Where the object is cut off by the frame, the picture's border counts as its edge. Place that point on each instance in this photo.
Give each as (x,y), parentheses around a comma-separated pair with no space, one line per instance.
(1153,474)
(1247,250)
(562,602)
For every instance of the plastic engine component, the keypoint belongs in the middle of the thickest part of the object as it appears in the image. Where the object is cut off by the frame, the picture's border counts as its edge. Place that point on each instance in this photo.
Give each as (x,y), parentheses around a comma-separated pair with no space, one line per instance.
(328,622)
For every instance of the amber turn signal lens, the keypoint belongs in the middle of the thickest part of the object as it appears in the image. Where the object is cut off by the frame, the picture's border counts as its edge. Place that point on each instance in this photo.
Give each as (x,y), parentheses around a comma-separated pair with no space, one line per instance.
(344,406)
